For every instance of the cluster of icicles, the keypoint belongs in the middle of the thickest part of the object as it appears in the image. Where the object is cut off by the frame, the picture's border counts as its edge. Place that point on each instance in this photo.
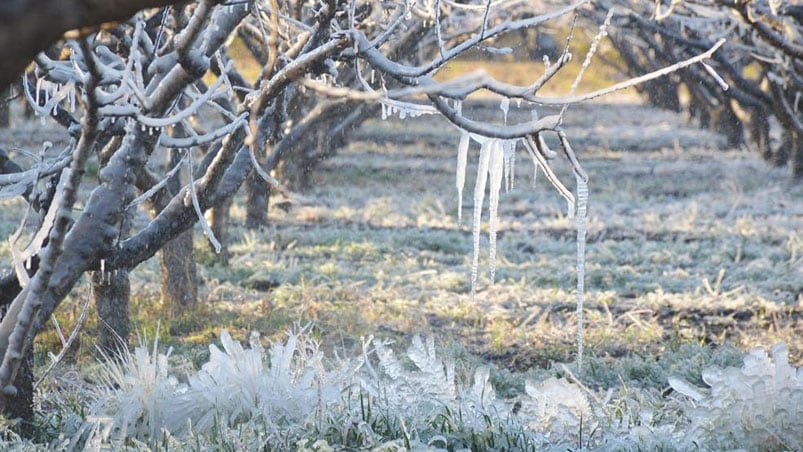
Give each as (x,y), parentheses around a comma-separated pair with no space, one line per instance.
(497,164)
(497,167)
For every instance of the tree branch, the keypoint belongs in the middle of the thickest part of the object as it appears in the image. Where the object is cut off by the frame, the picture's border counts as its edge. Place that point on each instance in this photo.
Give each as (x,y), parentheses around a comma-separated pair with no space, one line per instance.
(28,27)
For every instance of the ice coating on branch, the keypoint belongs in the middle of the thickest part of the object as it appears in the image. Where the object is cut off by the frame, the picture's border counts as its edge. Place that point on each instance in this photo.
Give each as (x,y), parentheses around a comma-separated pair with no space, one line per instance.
(496,169)
(405,109)
(580,221)
(479,197)
(462,158)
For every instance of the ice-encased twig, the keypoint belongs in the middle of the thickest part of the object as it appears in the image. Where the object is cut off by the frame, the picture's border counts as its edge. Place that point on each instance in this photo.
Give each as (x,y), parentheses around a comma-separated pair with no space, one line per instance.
(201,218)
(533,146)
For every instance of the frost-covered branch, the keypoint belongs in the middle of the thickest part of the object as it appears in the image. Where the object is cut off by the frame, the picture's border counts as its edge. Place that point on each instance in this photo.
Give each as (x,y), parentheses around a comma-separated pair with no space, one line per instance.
(26,307)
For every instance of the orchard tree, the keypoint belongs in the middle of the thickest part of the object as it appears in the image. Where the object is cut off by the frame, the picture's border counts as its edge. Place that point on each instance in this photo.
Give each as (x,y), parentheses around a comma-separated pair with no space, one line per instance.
(755,79)
(176,129)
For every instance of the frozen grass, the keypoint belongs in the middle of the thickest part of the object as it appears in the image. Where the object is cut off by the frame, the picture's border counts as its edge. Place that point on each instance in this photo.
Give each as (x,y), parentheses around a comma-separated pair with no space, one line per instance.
(377,396)
(694,256)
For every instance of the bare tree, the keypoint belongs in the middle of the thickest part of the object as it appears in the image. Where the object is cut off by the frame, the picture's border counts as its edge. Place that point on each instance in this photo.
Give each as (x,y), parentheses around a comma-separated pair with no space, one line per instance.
(757,75)
(132,94)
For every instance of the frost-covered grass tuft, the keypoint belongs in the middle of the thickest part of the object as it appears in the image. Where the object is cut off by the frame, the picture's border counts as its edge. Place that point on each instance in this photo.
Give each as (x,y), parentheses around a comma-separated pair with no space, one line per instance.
(756,407)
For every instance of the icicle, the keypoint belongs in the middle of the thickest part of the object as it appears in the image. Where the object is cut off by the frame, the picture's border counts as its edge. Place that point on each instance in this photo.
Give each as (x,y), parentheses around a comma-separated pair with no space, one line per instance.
(518,102)
(462,157)
(384,112)
(512,164)
(72,97)
(371,77)
(479,197)
(535,173)
(505,106)
(496,169)
(458,107)
(507,147)
(580,221)
(38,89)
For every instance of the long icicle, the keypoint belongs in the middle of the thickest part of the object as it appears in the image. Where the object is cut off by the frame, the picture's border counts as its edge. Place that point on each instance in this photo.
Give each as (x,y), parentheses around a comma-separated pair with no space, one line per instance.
(580,221)
(496,168)
(479,197)
(462,157)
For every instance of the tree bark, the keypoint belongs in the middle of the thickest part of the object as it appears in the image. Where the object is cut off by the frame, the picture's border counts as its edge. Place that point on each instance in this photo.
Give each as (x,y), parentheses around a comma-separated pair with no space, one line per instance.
(178,276)
(256,210)
(725,122)
(219,222)
(5,117)
(112,292)
(797,157)
(20,406)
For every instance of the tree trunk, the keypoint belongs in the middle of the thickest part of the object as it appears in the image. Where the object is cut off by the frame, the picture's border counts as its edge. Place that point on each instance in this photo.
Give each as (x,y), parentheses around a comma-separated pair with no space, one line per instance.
(5,117)
(178,277)
(219,222)
(796,157)
(256,210)
(725,122)
(112,292)
(20,405)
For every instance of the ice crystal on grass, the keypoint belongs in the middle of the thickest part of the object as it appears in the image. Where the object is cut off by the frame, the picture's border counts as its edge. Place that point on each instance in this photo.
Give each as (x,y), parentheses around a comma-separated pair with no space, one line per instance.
(756,407)
(132,394)
(556,407)
(281,387)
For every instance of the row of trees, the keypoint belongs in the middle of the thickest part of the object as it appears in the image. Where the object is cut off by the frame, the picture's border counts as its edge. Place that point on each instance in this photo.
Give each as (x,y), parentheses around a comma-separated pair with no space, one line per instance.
(758,73)
(132,96)
(176,130)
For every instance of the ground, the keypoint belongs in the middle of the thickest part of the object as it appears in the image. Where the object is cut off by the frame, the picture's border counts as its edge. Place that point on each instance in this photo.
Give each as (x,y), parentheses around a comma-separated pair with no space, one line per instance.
(686,244)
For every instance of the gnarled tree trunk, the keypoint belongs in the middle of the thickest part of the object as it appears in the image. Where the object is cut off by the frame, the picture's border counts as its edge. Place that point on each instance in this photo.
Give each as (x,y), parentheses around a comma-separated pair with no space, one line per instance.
(112,292)
(21,404)
(178,280)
